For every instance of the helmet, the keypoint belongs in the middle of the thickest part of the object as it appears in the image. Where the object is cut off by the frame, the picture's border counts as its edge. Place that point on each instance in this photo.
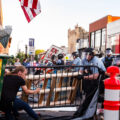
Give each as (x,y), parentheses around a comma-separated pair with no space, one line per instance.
(108,51)
(75,54)
(90,51)
(60,56)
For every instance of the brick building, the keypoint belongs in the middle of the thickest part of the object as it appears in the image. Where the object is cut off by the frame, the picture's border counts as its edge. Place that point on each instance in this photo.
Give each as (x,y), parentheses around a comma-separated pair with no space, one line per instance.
(73,36)
(98,32)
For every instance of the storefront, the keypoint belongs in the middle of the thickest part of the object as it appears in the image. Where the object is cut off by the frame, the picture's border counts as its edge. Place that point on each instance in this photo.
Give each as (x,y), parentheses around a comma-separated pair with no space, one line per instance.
(113,36)
(98,32)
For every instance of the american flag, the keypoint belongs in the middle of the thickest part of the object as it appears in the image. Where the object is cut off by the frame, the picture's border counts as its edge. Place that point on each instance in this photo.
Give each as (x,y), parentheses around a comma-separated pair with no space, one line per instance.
(31,8)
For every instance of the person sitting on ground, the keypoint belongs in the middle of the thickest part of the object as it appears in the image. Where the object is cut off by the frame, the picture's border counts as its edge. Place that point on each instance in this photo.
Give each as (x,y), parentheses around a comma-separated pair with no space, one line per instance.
(9,102)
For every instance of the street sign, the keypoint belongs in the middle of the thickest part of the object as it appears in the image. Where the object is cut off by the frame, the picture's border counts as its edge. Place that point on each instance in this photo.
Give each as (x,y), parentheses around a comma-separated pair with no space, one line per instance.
(31,46)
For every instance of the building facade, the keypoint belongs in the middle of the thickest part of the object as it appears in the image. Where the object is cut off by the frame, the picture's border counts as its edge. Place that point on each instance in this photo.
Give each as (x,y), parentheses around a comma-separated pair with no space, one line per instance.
(98,32)
(113,36)
(73,36)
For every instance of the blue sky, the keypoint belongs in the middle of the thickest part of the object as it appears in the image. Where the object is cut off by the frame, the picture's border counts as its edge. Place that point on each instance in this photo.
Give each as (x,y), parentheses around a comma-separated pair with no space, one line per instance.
(52,24)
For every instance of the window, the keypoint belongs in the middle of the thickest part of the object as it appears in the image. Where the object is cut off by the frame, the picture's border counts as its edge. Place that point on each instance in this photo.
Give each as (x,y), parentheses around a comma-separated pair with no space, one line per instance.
(103,36)
(92,39)
(97,39)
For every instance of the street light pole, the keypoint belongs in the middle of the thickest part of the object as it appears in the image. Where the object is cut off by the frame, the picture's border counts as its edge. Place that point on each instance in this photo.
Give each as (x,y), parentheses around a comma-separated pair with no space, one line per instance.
(26,51)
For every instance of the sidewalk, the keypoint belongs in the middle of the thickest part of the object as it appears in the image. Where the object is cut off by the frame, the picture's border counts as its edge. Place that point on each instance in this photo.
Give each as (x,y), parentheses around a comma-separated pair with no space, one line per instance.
(53,115)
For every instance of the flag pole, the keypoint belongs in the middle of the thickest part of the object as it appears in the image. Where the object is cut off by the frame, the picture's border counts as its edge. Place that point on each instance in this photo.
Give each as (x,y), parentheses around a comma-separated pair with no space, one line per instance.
(1,15)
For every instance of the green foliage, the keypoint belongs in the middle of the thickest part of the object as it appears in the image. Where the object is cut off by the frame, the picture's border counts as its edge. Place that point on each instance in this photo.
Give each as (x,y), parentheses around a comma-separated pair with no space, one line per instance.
(11,61)
(36,57)
(21,56)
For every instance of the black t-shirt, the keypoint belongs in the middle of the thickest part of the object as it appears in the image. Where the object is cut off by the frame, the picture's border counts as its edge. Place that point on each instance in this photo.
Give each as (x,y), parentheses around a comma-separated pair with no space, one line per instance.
(11,85)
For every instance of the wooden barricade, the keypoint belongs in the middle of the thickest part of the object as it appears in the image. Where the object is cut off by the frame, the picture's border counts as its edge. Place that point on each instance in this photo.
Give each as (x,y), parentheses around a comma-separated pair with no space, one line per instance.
(54,91)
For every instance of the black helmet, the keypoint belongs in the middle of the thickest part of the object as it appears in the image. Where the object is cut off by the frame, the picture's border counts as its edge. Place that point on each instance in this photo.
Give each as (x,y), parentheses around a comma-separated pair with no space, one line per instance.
(90,51)
(75,54)
(60,56)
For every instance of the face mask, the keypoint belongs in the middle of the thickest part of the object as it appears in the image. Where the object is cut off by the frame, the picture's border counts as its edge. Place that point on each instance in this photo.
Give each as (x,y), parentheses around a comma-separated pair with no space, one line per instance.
(108,52)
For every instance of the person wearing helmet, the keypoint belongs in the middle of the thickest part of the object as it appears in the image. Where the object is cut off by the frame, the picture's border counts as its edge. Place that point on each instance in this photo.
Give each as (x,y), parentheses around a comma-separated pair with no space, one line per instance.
(76,61)
(90,79)
(108,59)
(91,73)
(60,59)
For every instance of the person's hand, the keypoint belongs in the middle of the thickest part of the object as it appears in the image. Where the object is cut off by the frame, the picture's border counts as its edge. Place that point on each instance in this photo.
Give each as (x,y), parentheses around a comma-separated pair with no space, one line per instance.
(37,90)
(86,77)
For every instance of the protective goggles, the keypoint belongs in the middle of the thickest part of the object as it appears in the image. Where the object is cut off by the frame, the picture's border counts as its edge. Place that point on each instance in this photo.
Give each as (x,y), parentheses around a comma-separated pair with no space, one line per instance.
(88,53)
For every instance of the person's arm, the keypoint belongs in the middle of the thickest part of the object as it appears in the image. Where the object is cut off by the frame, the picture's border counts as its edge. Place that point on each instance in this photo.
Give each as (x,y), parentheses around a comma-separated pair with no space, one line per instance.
(92,77)
(28,91)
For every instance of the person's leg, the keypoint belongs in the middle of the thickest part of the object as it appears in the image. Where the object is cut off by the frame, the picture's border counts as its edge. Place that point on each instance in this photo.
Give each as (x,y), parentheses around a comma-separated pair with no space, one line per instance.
(90,91)
(8,115)
(8,111)
(19,104)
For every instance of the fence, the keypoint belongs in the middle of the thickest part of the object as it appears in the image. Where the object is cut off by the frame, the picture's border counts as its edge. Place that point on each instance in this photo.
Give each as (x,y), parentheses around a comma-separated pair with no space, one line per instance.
(60,86)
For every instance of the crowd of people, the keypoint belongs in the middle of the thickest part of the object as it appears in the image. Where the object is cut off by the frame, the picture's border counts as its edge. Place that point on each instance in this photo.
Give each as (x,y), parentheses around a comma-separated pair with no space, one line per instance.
(16,79)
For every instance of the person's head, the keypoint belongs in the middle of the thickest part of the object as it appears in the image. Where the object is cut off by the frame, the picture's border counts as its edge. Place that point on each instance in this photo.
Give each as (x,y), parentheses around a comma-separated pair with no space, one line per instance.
(90,52)
(17,59)
(25,60)
(60,56)
(53,57)
(108,52)
(20,71)
(75,55)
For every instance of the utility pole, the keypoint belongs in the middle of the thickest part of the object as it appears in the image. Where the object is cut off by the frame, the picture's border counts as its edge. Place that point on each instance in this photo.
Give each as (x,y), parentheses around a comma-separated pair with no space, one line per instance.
(1,15)
(26,51)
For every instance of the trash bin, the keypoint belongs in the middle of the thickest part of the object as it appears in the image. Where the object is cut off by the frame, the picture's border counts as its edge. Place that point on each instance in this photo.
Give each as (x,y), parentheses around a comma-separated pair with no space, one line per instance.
(3,61)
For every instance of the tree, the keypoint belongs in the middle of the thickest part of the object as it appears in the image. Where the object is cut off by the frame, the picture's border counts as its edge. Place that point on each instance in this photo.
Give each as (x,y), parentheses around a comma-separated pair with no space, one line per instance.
(21,56)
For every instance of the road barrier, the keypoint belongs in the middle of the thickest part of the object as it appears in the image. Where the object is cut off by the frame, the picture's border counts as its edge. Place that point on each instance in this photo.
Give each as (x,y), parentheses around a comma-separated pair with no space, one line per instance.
(112,95)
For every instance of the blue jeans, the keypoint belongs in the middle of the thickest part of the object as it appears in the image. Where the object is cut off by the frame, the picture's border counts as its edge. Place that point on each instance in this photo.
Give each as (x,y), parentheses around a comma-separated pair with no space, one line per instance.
(21,105)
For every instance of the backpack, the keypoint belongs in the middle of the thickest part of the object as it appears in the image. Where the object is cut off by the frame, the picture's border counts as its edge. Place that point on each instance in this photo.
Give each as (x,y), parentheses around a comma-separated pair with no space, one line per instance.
(108,61)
